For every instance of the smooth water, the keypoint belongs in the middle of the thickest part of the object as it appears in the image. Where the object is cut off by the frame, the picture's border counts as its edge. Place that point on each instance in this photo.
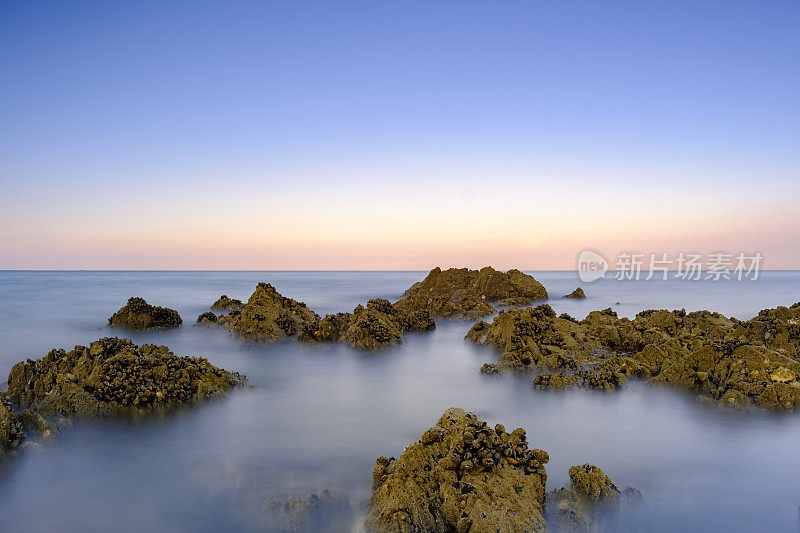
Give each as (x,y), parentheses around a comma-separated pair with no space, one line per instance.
(317,417)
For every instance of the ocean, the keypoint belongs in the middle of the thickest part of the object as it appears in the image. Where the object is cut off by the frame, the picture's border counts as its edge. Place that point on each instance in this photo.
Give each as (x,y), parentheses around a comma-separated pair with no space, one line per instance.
(315,418)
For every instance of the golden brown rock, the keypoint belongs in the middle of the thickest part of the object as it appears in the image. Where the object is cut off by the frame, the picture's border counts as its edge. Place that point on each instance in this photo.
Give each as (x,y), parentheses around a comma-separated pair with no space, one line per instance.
(732,361)
(137,314)
(461,476)
(469,293)
(113,376)
(269,316)
(375,326)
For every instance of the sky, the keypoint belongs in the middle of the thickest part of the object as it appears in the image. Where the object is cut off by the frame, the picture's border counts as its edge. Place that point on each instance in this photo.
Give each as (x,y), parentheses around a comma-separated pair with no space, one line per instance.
(395,135)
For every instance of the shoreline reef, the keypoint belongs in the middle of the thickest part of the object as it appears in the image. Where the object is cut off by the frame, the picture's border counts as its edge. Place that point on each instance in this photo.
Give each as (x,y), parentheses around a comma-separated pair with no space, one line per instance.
(725,360)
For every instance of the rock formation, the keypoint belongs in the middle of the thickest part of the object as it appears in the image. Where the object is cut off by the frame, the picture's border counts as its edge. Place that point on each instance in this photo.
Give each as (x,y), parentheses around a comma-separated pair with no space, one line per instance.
(375,326)
(208,319)
(591,490)
(577,293)
(114,377)
(268,316)
(462,475)
(137,314)
(734,362)
(469,293)
(227,304)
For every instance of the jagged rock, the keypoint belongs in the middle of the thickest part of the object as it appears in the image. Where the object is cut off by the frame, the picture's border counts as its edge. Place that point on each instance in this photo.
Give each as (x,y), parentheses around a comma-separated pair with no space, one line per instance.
(732,361)
(208,319)
(462,475)
(469,293)
(269,316)
(137,314)
(375,326)
(313,513)
(113,377)
(573,509)
(577,293)
(227,304)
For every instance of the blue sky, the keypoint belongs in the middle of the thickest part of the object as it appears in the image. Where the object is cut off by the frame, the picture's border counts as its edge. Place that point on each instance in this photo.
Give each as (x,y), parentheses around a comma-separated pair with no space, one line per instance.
(370,135)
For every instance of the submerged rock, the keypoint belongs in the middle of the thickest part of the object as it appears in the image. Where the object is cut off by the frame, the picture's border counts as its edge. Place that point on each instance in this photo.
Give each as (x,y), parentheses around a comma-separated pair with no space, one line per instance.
(469,293)
(734,362)
(462,475)
(114,377)
(577,293)
(224,303)
(137,314)
(317,512)
(591,490)
(375,326)
(269,316)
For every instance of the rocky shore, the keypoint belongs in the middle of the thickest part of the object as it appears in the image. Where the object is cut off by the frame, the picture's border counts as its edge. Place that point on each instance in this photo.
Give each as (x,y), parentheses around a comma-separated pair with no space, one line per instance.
(468,293)
(463,475)
(138,315)
(725,359)
(114,377)
(371,327)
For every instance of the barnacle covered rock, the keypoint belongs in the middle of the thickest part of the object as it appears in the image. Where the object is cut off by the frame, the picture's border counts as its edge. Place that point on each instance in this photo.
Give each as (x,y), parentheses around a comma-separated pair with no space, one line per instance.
(269,316)
(574,508)
(370,327)
(11,434)
(732,361)
(462,475)
(113,376)
(224,303)
(469,293)
(137,314)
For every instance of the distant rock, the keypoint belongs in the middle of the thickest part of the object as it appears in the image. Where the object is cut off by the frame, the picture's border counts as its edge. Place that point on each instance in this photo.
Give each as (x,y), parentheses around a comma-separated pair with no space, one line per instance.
(227,304)
(469,293)
(375,326)
(269,316)
(462,475)
(138,315)
(577,293)
(114,377)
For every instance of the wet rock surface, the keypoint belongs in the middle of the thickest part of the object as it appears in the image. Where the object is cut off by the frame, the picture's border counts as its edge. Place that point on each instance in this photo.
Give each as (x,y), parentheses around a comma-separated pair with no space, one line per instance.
(731,361)
(462,475)
(468,293)
(268,316)
(114,377)
(138,315)
(371,327)
(224,303)
(577,294)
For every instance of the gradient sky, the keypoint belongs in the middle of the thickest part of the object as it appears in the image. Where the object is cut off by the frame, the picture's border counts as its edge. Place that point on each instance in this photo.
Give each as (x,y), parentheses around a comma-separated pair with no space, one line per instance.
(395,135)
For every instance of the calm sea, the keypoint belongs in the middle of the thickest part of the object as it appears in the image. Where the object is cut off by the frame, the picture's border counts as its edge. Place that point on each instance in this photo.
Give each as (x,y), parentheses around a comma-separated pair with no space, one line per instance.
(317,417)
